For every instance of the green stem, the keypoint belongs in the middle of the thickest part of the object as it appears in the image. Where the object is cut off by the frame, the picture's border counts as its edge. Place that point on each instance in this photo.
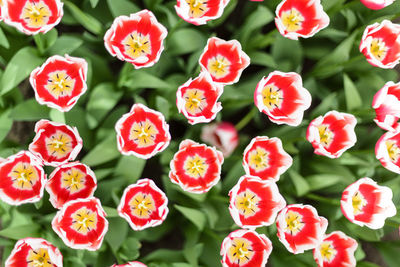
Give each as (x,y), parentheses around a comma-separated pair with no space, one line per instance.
(326,200)
(240,125)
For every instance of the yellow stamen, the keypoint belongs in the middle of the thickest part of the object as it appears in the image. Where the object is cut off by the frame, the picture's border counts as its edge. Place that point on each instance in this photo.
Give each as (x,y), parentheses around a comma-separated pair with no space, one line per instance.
(39,258)
(142,205)
(195,101)
(272,97)
(197,8)
(240,251)
(247,203)
(258,159)
(292,20)
(24,176)
(60,84)
(195,166)
(393,150)
(378,49)
(35,14)
(218,66)
(327,251)
(293,222)
(59,144)
(325,135)
(137,45)
(143,133)
(84,220)
(358,202)
(73,180)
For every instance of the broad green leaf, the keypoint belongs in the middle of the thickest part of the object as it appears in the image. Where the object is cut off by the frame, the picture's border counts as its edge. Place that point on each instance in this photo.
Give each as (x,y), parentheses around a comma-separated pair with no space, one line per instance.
(164,255)
(87,21)
(163,106)
(65,44)
(185,41)
(142,79)
(353,99)
(197,217)
(3,40)
(300,183)
(22,231)
(94,3)
(320,181)
(262,59)
(29,110)
(117,232)
(111,212)
(260,17)
(103,152)
(5,124)
(122,7)
(287,52)
(57,116)
(192,254)
(130,167)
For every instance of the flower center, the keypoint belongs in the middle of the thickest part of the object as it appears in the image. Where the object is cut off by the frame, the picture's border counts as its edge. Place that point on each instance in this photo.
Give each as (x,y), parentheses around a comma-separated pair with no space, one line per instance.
(292,20)
(35,14)
(195,166)
(293,222)
(23,176)
(325,135)
(142,205)
(84,220)
(143,133)
(358,202)
(60,84)
(378,49)
(39,258)
(197,8)
(393,150)
(247,203)
(59,144)
(327,251)
(195,101)
(272,97)
(73,180)
(137,45)
(219,66)
(240,251)
(258,159)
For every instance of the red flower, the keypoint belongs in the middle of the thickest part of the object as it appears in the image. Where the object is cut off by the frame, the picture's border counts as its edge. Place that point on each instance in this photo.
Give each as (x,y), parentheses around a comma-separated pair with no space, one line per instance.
(300,18)
(81,224)
(366,203)
(30,251)
(224,60)
(245,248)
(387,106)
(59,82)
(32,16)
(1,7)
(387,150)
(377,4)
(197,99)
(265,158)
(143,205)
(137,39)
(332,134)
(198,12)
(255,202)
(22,179)
(55,143)
(196,167)
(142,132)
(300,228)
(69,182)
(222,135)
(282,97)
(380,44)
(336,250)
(131,264)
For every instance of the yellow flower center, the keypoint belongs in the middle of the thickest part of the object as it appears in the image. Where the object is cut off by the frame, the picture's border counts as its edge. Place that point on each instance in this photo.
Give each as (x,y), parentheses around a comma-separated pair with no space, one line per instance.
(197,8)
(143,133)
(325,135)
(258,159)
(59,144)
(293,222)
(272,97)
(358,202)
(195,166)
(247,203)
(24,176)
(84,220)
(327,251)
(73,180)
(292,20)
(137,45)
(378,49)
(142,205)
(240,251)
(218,66)
(393,150)
(39,258)
(35,14)
(195,101)
(60,84)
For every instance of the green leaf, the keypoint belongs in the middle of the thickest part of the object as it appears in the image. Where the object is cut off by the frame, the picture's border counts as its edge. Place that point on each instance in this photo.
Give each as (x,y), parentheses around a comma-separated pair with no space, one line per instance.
(19,68)
(197,217)
(287,52)
(130,167)
(122,7)
(103,152)
(320,181)
(5,124)
(353,99)
(65,44)
(141,79)
(57,116)
(163,106)
(300,183)
(111,212)
(184,41)
(260,17)
(87,21)
(117,232)
(22,231)
(94,3)
(29,110)
(3,40)
(262,59)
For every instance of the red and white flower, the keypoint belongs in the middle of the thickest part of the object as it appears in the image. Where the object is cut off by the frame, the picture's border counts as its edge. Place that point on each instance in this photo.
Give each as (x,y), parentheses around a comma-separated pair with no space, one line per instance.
(387,150)
(197,99)
(30,252)
(81,224)
(32,16)
(300,228)
(300,18)
(223,136)
(142,132)
(198,12)
(265,158)
(131,264)
(380,44)
(366,203)
(55,143)
(196,167)
(22,179)
(282,97)
(332,134)
(336,250)
(137,39)
(143,205)
(376,4)
(387,106)
(224,60)
(60,81)
(255,202)
(69,182)
(1,12)
(245,248)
